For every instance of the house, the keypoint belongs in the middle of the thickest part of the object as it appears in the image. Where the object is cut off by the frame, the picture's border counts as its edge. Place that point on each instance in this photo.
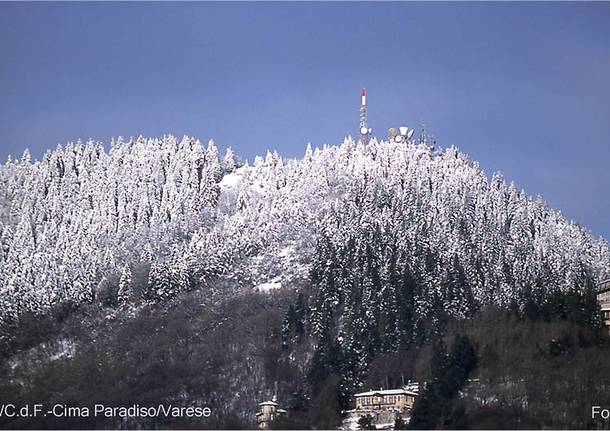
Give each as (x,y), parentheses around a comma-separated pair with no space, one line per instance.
(603,297)
(268,411)
(385,399)
(383,405)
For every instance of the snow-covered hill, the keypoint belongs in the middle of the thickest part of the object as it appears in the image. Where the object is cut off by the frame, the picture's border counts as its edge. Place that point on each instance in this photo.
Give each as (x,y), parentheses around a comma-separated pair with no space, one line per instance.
(84,223)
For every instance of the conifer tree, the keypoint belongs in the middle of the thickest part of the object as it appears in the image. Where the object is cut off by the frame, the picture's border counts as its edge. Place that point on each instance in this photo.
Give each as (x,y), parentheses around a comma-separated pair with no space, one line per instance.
(125,285)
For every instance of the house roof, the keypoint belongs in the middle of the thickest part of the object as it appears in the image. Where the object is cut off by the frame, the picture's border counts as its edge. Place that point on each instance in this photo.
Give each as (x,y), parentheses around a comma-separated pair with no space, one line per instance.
(385,392)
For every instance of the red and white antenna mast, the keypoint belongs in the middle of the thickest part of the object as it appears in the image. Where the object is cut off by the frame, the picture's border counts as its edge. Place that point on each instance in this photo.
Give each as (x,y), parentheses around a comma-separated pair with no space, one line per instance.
(364,130)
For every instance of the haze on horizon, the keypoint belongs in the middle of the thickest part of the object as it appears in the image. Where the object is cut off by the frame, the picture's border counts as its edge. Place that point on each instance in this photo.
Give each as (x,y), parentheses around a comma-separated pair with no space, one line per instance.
(523,88)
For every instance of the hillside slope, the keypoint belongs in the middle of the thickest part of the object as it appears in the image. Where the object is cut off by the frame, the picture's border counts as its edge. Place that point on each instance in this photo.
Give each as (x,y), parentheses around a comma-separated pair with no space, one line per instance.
(81,217)
(161,272)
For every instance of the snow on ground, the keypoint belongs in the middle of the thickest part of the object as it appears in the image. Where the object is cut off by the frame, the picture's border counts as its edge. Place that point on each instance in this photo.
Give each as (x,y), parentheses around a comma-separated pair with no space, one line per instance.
(65,348)
(233,180)
(291,257)
(51,350)
(269,286)
(288,251)
(230,181)
(382,420)
(350,423)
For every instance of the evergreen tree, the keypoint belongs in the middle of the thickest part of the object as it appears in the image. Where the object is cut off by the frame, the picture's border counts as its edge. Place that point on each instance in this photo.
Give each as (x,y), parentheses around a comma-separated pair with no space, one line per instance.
(399,423)
(125,285)
(229,161)
(366,423)
(433,406)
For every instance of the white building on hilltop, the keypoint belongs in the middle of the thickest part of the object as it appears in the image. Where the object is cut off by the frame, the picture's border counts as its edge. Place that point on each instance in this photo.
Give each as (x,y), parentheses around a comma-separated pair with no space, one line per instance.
(384,406)
(385,399)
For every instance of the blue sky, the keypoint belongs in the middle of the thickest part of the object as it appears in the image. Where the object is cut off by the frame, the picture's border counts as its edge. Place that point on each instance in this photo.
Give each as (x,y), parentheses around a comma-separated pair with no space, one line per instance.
(523,88)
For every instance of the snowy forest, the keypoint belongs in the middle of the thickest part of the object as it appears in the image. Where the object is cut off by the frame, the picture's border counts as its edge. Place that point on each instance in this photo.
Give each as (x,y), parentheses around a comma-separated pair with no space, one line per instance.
(357,264)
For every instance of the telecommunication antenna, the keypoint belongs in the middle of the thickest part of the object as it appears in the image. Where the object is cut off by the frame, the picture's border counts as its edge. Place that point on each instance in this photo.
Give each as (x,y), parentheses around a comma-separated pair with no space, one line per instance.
(402,134)
(364,129)
(422,135)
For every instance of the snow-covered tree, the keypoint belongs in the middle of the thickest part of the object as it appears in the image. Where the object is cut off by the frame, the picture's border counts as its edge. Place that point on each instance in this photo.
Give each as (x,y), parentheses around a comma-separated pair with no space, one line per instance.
(125,285)
(388,231)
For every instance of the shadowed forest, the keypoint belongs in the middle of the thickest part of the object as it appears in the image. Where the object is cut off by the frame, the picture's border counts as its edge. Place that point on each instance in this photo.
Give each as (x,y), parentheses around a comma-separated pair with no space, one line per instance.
(544,367)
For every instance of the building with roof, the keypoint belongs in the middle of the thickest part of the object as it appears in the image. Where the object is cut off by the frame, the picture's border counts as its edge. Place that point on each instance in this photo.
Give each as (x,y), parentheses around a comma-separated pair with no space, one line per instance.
(383,406)
(268,411)
(385,399)
(603,297)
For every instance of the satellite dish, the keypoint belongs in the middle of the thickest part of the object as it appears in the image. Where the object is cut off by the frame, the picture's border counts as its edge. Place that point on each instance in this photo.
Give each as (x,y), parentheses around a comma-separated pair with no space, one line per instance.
(364,130)
(403,130)
(399,138)
(392,132)
(410,134)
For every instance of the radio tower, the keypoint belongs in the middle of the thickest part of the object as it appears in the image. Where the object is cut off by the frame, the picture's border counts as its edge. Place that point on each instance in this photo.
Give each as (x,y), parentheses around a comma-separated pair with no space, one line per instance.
(364,130)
